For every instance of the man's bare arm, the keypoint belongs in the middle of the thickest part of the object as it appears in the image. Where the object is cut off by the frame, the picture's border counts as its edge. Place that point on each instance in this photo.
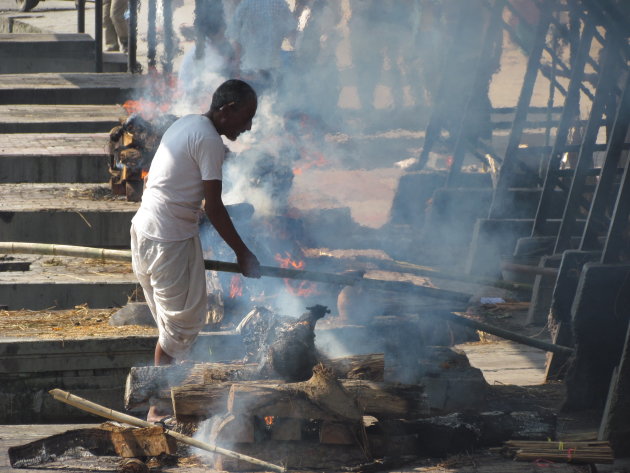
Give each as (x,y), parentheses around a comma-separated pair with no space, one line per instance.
(220,219)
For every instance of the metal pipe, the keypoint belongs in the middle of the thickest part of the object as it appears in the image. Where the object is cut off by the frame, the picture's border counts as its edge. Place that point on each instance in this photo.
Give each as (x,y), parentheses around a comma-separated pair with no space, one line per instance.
(132,45)
(508,335)
(169,38)
(151,35)
(98,34)
(528,269)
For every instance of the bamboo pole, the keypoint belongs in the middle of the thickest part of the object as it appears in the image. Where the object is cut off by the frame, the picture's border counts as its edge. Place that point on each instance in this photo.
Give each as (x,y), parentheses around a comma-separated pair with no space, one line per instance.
(111,414)
(271,271)
(344,280)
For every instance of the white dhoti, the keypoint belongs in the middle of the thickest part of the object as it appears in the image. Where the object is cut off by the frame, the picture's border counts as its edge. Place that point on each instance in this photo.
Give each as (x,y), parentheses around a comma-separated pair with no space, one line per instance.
(173,279)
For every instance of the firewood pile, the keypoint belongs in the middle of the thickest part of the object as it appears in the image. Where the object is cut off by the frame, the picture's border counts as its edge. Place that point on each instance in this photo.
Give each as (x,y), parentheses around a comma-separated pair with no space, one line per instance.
(132,145)
(287,404)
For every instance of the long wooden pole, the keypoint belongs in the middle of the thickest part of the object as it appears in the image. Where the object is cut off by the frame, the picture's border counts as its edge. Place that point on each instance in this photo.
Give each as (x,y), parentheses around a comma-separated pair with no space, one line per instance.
(270,271)
(103,411)
(343,280)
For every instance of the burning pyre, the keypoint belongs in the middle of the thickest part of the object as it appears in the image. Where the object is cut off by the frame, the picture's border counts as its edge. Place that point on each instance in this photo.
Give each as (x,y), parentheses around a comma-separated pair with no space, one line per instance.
(132,145)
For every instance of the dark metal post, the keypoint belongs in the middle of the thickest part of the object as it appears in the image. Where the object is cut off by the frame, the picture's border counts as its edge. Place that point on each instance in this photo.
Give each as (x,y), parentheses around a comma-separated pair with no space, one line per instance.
(169,44)
(200,43)
(609,171)
(98,33)
(511,155)
(571,108)
(132,46)
(80,16)
(151,34)
(585,156)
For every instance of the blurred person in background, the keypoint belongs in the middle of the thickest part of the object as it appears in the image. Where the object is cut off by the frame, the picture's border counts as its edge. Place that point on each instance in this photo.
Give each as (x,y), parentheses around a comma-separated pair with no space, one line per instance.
(115,26)
(257,31)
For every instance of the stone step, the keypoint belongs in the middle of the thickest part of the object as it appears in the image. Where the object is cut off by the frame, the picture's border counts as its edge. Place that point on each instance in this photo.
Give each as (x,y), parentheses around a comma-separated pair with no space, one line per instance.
(71,214)
(64,282)
(40,52)
(69,89)
(59,157)
(60,118)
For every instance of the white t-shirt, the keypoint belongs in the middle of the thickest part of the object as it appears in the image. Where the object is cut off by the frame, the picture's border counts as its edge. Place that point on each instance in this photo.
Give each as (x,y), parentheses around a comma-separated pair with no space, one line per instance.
(191,151)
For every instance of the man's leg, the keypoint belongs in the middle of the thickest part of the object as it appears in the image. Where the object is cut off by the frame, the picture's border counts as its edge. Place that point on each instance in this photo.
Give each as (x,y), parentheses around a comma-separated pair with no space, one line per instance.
(119,7)
(110,36)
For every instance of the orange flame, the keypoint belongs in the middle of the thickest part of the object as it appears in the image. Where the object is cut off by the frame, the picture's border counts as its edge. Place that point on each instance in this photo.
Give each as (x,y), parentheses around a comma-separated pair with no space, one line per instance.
(314,159)
(236,286)
(145,173)
(297,288)
(269,420)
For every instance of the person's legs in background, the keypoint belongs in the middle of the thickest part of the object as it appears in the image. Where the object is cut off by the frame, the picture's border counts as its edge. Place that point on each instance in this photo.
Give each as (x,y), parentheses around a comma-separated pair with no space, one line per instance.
(109,30)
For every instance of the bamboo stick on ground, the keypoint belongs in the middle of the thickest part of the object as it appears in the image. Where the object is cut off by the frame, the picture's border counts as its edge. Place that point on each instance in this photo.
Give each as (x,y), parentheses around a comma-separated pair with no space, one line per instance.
(569,452)
(102,411)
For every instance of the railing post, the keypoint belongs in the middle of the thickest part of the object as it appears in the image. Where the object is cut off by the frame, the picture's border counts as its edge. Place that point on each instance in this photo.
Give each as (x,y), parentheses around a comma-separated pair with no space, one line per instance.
(80,16)
(133,37)
(98,33)
(151,34)
(169,44)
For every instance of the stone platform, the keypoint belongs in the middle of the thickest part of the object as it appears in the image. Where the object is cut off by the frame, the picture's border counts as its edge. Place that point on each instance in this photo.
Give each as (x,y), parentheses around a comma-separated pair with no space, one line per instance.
(70,214)
(68,88)
(54,157)
(60,118)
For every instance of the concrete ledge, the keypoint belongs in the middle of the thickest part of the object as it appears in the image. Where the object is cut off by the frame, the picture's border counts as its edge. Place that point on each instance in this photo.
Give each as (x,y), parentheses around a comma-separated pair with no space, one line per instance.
(47,168)
(600,323)
(69,88)
(39,296)
(40,52)
(60,118)
(491,240)
(80,227)
(95,369)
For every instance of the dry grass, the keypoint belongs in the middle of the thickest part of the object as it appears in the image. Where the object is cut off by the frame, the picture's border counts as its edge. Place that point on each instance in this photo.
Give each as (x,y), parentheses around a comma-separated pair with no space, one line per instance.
(80,322)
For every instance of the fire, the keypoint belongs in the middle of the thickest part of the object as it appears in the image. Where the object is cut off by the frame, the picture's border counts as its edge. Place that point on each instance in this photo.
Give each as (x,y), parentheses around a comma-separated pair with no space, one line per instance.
(147,109)
(269,420)
(236,286)
(297,288)
(145,173)
(313,160)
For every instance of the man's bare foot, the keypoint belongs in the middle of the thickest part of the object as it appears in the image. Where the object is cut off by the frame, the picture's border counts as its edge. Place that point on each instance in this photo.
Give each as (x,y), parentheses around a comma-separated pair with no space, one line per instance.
(156,415)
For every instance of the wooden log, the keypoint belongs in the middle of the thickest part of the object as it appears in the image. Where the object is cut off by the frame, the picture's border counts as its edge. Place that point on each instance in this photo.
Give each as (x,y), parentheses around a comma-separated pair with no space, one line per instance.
(149,382)
(388,400)
(379,399)
(285,430)
(141,442)
(229,428)
(321,397)
(336,433)
(368,367)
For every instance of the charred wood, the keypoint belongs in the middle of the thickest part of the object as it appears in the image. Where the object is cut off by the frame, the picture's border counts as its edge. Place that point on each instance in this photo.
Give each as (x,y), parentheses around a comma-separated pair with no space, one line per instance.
(146,383)
(382,400)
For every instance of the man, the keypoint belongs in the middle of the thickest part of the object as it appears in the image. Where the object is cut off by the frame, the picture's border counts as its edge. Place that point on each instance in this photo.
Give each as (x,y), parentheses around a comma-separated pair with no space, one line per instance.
(166,253)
